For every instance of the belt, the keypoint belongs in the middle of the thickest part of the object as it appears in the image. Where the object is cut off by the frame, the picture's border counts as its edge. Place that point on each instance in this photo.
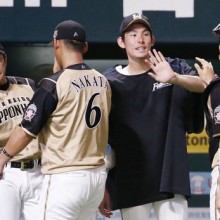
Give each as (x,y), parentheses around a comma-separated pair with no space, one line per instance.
(24,165)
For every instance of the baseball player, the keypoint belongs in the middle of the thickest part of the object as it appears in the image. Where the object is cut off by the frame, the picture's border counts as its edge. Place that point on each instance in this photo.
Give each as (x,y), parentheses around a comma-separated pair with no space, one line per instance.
(212,110)
(153,107)
(69,111)
(21,181)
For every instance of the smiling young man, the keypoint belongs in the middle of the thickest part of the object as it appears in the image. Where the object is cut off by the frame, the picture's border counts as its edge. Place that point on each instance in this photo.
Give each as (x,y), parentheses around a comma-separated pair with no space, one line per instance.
(154,105)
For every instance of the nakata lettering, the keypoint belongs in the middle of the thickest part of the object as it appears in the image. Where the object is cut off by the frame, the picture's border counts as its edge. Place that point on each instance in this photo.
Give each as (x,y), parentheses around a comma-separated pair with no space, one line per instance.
(88,81)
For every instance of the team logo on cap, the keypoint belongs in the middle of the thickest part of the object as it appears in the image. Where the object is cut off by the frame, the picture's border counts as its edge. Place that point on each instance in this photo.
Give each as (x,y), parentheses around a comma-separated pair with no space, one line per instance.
(216,115)
(75,34)
(30,112)
(136,16)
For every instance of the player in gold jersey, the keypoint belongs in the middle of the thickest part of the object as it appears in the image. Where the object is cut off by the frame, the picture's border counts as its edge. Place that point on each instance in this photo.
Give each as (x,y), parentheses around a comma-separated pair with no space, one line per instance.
(21,181)
(69,111)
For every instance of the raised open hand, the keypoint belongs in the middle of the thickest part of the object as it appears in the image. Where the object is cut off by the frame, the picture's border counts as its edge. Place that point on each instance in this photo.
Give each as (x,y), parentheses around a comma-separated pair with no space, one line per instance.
(205,71)
(162,70)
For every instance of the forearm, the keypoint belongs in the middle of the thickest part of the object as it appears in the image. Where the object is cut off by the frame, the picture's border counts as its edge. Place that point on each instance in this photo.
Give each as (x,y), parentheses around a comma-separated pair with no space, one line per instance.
(16,143)
(191,83)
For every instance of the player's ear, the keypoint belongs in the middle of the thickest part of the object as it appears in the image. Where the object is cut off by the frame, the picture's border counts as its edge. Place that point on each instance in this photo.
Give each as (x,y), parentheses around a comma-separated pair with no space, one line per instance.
(56,43)
(85,49)
(121,42)
(152,41)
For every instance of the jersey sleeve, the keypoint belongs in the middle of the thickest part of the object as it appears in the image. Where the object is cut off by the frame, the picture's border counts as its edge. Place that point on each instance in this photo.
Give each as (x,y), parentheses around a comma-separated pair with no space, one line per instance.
(181,66)
(40,107)
(195,112)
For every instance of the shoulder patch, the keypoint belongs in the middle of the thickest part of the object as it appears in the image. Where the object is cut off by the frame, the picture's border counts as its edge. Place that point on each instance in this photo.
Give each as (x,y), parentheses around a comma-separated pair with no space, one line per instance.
(30,112)
(216,115)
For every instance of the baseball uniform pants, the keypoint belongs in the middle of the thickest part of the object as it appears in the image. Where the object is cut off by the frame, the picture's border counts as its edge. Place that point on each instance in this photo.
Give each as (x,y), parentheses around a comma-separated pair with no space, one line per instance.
(214,213)
(73,195)
(170,209)
(20,193)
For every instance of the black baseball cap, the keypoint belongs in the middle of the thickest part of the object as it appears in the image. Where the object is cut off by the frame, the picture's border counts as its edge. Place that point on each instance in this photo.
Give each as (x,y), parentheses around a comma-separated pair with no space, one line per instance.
(70,30)
(2,50)
(216,30)
(134,19)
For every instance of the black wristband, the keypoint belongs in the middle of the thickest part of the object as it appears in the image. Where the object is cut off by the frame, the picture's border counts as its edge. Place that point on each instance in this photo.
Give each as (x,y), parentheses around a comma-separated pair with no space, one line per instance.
(6,153)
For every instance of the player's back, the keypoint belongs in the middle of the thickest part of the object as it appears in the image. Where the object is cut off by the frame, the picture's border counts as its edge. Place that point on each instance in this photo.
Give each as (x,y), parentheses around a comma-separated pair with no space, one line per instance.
(76,133)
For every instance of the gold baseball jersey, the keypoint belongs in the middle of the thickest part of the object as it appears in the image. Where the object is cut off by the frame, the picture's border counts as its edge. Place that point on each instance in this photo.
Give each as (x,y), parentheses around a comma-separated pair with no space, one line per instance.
(70,113)
(15,96)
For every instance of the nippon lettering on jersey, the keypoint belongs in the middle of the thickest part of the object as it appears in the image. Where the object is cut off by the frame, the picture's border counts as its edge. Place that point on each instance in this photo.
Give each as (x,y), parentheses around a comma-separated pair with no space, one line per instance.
(88,81)
(12,108)
(216,115)
(158,85)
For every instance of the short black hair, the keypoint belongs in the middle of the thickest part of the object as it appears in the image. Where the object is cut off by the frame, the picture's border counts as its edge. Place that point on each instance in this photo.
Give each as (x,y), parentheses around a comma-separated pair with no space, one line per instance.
(74,45)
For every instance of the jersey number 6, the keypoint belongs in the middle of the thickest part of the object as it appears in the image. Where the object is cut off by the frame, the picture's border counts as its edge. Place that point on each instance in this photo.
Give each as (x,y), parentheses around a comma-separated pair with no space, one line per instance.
(92,109)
